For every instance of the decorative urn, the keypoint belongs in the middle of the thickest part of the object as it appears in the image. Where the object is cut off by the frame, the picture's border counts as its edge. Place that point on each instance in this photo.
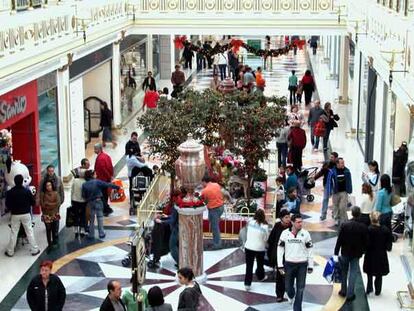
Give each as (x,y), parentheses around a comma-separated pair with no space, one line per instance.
(190,166)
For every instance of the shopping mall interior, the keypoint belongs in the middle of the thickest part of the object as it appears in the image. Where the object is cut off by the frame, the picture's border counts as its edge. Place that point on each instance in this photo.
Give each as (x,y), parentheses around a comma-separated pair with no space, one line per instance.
(234,140)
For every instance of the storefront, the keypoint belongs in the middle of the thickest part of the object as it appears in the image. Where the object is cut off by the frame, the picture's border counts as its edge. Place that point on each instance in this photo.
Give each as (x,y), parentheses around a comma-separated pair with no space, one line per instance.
(133,72)
(19,114)
(366,107)
(48,121)
(90,85)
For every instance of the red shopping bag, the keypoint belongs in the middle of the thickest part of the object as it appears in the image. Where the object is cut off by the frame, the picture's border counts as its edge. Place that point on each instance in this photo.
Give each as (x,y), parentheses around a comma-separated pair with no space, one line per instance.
(117,195)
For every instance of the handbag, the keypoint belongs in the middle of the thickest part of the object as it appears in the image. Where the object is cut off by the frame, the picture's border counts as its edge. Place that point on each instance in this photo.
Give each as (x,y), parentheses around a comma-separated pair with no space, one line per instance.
(395,199)
(70,217)
(117,195)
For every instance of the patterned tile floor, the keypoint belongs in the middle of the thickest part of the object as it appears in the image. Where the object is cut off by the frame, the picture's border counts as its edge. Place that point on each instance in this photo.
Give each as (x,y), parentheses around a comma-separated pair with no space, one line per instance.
(89,265)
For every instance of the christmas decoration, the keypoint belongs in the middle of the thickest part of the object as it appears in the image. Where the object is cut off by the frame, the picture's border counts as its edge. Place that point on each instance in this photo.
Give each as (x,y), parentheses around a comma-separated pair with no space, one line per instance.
(236,44)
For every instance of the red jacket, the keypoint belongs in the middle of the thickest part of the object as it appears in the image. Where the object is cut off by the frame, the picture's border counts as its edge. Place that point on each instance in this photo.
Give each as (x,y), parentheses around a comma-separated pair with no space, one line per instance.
(297,137)
(151,98)
(103,167)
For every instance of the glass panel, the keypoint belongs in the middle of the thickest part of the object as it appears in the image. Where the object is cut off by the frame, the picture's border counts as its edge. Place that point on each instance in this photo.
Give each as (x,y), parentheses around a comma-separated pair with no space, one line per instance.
(363,102)
(156,55)
(49,142)
(133,72)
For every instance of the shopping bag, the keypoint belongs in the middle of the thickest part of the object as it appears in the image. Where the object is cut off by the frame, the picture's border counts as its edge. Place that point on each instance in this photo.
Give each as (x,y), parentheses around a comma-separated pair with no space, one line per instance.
(332,271)
(117,195)
(70,217)
(395,199)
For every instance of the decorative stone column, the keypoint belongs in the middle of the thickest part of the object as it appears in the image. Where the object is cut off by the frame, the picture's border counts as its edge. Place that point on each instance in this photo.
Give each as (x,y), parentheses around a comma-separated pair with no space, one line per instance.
(190,168)
(191,238)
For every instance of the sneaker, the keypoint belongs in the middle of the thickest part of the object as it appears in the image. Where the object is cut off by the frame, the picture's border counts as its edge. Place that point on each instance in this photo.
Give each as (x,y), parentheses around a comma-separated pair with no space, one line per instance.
(36,253)
(264,279)
(102,236)
(7,254)
(322,218)
(280,299)
(247,287)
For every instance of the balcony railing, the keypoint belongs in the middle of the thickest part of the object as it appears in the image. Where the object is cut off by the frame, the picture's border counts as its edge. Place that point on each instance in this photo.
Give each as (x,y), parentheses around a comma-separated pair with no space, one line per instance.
(21,5)
(234,6)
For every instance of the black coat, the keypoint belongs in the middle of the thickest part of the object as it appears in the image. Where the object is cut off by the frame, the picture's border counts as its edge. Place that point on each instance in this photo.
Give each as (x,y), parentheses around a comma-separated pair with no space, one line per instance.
(148,81)
(398,164)
(36,294)
(376,259)
(107,305)
(352,239)
(106,118)
(273,241)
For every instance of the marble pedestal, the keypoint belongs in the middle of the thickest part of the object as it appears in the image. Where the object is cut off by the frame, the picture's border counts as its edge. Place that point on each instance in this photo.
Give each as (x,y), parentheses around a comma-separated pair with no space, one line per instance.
(191,238)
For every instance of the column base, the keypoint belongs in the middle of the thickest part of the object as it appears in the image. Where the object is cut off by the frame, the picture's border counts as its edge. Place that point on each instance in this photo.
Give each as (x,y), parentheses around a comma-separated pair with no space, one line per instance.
(343,100)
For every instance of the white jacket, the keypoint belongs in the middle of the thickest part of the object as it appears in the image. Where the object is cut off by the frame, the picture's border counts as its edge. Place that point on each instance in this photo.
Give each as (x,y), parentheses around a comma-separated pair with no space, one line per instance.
(222,58)
(76,194)
(296,249)
(257,236)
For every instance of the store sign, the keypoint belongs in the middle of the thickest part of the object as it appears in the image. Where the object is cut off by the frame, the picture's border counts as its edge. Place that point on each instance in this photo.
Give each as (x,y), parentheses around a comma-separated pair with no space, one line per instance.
(89,61)
(9,110)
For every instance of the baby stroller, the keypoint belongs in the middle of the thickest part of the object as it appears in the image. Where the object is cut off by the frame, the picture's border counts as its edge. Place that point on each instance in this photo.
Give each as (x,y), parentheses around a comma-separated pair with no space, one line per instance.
(306,180)
(158,244)
(399,221)
(140,184)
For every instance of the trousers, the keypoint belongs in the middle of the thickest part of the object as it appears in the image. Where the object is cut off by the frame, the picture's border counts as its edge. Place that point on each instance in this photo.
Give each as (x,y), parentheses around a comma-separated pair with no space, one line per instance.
(52,232)
(260,273)
(214,215)
(340,205)
(26,221)
(296,271)
(96,207)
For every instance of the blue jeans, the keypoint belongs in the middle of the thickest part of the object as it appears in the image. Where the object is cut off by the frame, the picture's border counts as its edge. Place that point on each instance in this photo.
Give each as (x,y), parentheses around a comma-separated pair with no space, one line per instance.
(314,139)
(96,207)
(325,202)
(296,271)
(214,215)
(173,244)
(222,69)
(351,265)
(282,152)
(326,140)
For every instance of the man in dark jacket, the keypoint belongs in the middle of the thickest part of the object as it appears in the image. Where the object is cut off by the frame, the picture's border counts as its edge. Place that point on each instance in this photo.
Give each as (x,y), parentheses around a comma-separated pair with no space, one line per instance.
(19,202)
(273,242)
(339,184)
(133,145)
(314,114)
(113,301)
(149,81)
(53,290)
(325,171)
(55,180)
(352,241)
(233,64)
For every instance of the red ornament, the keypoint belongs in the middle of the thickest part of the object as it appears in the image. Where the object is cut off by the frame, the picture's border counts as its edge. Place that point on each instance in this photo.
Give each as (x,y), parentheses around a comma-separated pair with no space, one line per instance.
(179,42)
(236,44)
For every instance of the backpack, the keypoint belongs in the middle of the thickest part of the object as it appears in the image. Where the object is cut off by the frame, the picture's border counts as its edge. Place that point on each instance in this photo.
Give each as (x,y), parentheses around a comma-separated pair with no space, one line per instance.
(320,129)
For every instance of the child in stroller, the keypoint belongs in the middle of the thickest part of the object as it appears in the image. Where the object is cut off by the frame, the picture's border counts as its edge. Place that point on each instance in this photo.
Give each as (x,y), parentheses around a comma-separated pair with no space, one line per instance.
(306,180)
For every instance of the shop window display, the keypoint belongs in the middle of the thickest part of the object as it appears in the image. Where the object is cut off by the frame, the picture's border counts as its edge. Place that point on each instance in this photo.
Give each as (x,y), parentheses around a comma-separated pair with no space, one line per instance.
(49,143)
(155,56)
(133,72)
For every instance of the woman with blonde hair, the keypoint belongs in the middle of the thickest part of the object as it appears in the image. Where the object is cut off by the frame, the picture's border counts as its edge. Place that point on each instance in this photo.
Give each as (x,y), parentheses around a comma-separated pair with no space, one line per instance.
(367,203)
(376,258)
